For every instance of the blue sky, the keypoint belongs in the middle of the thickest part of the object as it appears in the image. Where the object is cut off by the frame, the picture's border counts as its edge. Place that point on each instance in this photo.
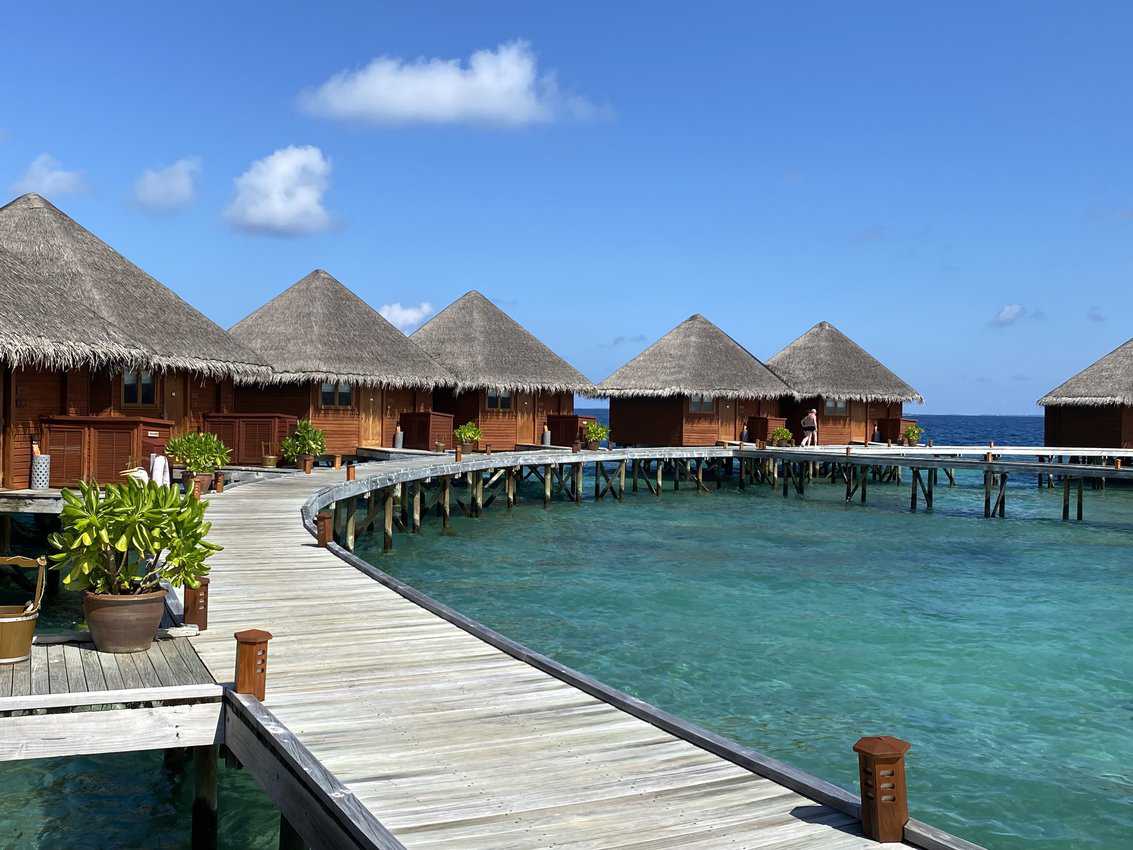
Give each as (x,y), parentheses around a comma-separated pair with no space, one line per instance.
(952,187)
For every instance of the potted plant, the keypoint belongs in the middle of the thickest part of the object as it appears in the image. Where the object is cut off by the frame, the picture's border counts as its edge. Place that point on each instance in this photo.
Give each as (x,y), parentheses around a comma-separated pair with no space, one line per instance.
(467,434)
(202,455)
(781,436)
(595,434)
(302,447)
(118,548)
(913,433)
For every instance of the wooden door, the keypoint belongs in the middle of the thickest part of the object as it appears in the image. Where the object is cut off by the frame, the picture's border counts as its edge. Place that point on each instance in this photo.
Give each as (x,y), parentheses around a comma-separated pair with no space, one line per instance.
(370,416)
(525,418)
(175,406)
(726,413)
(858,422)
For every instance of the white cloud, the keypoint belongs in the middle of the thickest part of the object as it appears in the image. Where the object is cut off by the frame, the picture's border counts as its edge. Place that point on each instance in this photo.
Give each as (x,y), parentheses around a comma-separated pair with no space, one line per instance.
(283,193)
(1008,314)
(47,176)
(169,188)
(500,86)
(406,318)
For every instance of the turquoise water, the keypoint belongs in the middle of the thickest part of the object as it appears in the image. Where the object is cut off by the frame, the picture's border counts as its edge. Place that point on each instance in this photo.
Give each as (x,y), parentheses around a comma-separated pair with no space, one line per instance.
(999,648)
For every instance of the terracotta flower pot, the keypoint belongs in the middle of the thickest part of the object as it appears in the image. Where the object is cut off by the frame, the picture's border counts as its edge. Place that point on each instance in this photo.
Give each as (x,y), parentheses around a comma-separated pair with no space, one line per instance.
(123,623)
(308,464)
(593,445)
(195,484)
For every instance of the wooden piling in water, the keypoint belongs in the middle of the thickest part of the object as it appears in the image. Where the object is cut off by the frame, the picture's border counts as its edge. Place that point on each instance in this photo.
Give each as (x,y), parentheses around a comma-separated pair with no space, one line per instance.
(546,486)
(446,509)
(204,828)
(387,527)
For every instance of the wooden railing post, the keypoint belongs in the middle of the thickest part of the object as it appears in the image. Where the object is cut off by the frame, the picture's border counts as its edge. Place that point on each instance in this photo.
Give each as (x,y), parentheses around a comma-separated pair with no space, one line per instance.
(350,472)
(252,662)
(885,799)
(197,604)
(324,528)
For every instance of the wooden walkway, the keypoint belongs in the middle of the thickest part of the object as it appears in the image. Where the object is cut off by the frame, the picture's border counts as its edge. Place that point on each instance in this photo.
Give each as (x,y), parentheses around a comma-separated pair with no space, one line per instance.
(452,743)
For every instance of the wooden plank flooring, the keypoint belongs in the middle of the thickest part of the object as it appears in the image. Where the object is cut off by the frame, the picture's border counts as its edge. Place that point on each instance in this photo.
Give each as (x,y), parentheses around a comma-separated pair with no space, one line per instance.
(70,668)
(450,742)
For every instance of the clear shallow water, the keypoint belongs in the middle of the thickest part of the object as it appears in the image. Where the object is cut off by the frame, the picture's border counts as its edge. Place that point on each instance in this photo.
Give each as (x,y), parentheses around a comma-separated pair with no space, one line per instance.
(1000,649)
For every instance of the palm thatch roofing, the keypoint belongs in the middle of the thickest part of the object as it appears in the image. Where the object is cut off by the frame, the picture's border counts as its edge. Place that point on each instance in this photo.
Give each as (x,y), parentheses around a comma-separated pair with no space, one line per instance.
(1106,382)
(485,348)
(70,300)
(825,362)
(318,330)
(695,358)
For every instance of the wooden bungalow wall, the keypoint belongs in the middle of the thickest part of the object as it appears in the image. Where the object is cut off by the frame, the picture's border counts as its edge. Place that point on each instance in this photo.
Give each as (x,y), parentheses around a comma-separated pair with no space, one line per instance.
(1085,426)
(370,420)
(856,427)
(504,429)
(669,421)
(29,395)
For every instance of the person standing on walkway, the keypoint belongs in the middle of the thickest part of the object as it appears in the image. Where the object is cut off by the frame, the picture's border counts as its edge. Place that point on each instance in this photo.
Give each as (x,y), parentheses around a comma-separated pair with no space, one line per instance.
(810,428)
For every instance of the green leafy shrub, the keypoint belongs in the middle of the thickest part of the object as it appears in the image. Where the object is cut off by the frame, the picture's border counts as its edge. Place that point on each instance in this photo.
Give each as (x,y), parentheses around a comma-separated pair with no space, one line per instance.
(468,433)
(913,433)
(198,453)
(131,538)
(307,440)
(781,436)
(596,432)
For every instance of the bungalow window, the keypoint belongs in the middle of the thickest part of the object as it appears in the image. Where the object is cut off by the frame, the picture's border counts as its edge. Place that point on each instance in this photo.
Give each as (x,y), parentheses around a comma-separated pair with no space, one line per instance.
(138,388)
(336,395)
(837,407)
(701,404)
(499,400)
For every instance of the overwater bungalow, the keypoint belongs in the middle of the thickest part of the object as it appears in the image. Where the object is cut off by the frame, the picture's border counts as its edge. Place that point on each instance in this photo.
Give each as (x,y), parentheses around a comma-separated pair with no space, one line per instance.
(100,362)
(507,382)
(856,397)
(1093,409)
(337,362)
(693,387)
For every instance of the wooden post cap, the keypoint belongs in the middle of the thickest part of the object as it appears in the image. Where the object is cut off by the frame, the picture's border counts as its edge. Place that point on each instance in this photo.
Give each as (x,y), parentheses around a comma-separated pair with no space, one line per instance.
(324,528)
(254,636)
(196,606)
(349,472)
(882,746)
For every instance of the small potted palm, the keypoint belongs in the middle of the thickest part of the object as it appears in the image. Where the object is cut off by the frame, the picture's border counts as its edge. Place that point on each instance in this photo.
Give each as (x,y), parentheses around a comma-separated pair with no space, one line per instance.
(595,433)
(202,455)
(119,546)
(912,434)
(781,437)
(302,447)
(468,434)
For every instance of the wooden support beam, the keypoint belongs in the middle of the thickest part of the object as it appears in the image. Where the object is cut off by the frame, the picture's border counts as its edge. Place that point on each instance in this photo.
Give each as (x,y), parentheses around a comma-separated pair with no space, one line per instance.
(547,486)
(700,476)
(621,480)
(509,485)
(1065,498)
(1001,499)
(578,483)
(636,472)
(204,832)
(446,495)
(929,492)
(349,523)
(599,471)
(289,837)
(660,476)
(387,507)
(1079,500)
(987,493)
(415,526)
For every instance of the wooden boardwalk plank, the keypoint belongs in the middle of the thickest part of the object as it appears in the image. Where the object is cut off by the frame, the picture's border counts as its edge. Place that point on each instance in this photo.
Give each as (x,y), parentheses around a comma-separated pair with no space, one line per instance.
(450,742)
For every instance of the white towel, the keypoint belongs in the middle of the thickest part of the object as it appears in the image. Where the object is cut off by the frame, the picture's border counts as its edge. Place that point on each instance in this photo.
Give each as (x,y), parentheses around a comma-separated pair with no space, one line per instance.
(159,470)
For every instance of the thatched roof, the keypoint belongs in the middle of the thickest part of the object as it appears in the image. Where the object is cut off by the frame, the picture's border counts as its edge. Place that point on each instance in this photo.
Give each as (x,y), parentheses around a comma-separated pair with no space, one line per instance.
(318,330)
(1108,381)
(70,300)
(695,358)
(825,362)
(485,348)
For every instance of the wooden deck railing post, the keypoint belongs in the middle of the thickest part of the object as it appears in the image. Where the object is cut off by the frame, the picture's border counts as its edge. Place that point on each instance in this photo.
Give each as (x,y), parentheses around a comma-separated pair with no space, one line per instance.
(350,472)
(197,604)
(252,662)
(324,528)
(885,799)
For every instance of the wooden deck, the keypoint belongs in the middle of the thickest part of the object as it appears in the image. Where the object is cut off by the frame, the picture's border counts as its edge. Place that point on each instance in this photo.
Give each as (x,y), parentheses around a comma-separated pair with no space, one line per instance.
(452,743)
(69,699)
